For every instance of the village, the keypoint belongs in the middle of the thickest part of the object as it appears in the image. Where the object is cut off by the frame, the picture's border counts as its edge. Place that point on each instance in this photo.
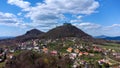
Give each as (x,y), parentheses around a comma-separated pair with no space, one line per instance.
(83,55)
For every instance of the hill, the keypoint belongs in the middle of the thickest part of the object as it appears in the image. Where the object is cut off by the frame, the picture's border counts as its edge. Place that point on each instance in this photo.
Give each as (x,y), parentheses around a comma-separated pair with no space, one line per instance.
(32,34)
(66,30)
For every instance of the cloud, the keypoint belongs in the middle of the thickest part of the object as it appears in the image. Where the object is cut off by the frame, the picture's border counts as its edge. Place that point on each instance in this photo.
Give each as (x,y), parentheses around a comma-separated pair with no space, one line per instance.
(88,26)
(47,14)
(73,6)
(56,8)
(75,21)
(114,26)
(52,11)
(97,29)
(79,17)
(20,3)
(9,19)
(19,14)
(6,15)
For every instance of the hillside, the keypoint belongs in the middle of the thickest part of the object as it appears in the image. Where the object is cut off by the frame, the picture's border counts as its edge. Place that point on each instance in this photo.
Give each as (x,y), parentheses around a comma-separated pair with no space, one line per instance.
(32,34)
(66,30)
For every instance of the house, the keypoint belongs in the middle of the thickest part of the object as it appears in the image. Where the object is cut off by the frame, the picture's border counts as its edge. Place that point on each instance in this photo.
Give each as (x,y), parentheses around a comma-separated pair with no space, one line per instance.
(69,49)
(116,54)
(12,50)
(113,51)
(80,54)
(1,60)
(29,48)
(1,54)
(118,57)
(36,48)
(6,50)
(76,50)
(54,52)
(45,50)
(35,43)
(86,53)
(97,49)
(23,48)
(10,55)
(92,55)
(73,56)
(81,47)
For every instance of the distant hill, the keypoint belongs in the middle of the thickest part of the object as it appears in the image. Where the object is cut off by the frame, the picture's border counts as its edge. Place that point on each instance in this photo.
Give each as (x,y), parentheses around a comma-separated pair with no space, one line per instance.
(101,36)
(66,30)
(5,37)
(112,38)
(117,38)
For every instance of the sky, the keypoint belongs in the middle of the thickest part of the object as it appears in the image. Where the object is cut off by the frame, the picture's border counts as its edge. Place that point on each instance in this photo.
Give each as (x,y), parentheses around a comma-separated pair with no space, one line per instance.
(95,17)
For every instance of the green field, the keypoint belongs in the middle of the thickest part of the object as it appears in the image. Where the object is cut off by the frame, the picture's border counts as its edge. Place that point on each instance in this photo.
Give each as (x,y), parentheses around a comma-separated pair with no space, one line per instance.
(113,46)
(2,64)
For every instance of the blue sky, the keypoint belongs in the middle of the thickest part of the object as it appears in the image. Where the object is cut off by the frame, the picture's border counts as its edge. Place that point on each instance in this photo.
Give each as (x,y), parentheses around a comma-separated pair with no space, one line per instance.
(95,17)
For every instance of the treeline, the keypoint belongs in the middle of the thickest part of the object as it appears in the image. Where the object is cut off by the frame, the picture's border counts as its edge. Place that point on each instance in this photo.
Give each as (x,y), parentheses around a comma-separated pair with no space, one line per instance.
(31,59)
